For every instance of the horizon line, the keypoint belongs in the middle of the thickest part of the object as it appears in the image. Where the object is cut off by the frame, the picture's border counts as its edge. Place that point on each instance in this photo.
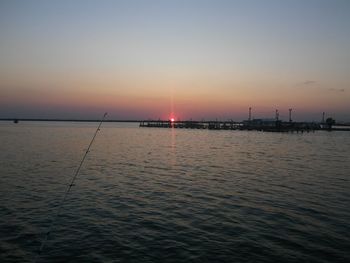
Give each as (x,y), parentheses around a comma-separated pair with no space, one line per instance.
(135,120)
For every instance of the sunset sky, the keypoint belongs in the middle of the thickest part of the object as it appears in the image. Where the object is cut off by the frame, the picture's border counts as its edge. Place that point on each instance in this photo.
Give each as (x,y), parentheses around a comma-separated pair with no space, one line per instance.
(185,58)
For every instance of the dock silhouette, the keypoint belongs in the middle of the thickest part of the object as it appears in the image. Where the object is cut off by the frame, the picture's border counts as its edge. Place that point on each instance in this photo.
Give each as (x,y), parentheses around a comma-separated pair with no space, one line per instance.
(255,124)
(263,124)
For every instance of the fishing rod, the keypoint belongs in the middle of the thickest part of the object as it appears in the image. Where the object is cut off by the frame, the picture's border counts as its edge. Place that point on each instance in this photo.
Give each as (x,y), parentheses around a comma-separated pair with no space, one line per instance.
(59,208)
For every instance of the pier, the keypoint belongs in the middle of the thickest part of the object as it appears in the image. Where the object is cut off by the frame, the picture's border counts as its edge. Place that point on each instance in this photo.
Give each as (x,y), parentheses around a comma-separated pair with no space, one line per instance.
(212,125)
(250,125)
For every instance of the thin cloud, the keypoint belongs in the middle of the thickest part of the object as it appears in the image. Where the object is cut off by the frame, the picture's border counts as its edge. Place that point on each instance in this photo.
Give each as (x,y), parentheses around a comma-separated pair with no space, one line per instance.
(309,82)
(336,90)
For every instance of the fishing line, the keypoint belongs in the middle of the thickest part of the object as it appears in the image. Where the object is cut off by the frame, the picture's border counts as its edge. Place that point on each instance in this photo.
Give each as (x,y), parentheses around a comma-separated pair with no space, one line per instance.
(54,218)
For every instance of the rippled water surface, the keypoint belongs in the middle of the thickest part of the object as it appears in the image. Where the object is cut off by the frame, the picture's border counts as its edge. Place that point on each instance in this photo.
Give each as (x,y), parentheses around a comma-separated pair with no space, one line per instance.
(165,195)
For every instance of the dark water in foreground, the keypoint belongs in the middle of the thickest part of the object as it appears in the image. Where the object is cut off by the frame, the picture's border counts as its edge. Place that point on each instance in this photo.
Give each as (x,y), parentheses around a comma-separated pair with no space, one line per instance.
(162,195)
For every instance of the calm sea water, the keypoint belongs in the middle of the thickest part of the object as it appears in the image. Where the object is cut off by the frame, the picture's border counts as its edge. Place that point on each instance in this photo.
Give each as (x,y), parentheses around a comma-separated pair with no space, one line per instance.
(164,195)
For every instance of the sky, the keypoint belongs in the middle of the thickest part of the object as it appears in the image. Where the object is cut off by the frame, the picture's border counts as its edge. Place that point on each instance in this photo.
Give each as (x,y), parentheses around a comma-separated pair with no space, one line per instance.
(186,59)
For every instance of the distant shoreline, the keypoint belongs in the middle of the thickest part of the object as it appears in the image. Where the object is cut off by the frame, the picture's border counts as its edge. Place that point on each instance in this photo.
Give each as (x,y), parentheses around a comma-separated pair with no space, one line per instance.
(65,120)
(130,121)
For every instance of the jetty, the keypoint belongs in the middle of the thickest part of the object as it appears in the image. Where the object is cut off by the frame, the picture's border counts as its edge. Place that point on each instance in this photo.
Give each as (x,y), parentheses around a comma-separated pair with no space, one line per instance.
(255,124)
(251,124)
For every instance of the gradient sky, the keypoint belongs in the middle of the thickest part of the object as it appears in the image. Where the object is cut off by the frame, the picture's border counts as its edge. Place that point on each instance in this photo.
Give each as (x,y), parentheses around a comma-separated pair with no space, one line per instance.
(193,59)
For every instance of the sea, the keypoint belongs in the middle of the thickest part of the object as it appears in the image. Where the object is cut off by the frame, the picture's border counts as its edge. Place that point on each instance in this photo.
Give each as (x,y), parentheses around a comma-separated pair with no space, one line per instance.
(173,195)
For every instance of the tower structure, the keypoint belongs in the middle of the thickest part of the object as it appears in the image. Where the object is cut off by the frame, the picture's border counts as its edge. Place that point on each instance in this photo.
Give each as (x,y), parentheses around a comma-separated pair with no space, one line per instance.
(323,117)
(290,115)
